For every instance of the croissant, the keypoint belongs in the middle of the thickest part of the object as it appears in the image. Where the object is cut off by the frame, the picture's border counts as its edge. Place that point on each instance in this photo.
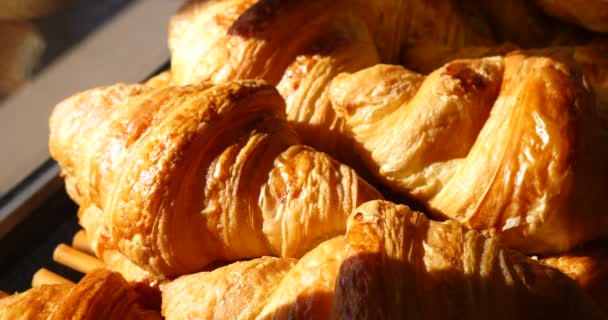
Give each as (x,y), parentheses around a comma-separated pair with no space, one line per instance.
(101,294)
(99,240)
(589,267)
(22,48)
(515,144)
(186,176)
(593,58)
(591,14)
(220,41)
(392,263)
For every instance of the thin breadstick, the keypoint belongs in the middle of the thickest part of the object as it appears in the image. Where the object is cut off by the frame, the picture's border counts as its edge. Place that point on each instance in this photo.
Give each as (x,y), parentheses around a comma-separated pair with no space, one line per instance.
(80,242)
(75,259)
(45,276)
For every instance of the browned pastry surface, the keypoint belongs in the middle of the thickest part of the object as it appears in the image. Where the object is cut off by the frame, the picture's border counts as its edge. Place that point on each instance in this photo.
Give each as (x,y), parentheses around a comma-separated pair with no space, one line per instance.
(512,144)
(591,14)
(427,56)
(220,41)
(160,80)
(100,242)
(101,294)
(186,176)
(392,263)
(22,46)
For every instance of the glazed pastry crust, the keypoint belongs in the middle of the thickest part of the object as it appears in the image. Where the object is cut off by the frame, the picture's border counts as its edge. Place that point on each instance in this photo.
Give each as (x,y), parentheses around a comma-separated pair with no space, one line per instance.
(427,56)
(392,263)
(220,41)
(514,144)
(99,238)
(101,294)
(211,170)
(232,292)
(36,303)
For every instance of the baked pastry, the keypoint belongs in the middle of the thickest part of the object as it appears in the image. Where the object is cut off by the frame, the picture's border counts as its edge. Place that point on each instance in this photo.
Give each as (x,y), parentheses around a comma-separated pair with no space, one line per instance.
(100,242)
(25,9)
(589,267)
(160,80)
(186,176)
(22,47)
(392,263)
(592,57)
(514,145)
(220,41)
(591,14)
(101,294)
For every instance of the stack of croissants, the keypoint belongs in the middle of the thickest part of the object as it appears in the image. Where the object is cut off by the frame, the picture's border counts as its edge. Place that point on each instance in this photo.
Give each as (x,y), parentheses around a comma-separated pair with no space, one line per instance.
(386,159)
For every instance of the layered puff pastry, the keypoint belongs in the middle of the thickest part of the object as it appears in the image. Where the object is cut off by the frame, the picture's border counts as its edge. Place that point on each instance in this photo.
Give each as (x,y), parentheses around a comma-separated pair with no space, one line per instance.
(22,47)
(515,145)
(220,41)
(186,176)
(100,242)
(392,263)
(592,57)
(102,295)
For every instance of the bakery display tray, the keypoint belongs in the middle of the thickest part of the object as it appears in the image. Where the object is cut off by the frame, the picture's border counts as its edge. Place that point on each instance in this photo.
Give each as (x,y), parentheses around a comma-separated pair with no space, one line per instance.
(29,245)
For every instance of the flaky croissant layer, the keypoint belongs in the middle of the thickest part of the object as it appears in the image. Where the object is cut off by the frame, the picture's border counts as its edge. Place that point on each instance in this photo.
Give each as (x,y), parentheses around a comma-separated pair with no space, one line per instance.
(186,176)
(391,264)
(101,294)
(514,144)
(300,46)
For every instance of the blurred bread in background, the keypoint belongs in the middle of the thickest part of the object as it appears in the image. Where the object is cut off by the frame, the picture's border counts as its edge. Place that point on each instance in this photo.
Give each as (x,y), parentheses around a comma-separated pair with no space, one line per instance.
(26,9)
(22,48)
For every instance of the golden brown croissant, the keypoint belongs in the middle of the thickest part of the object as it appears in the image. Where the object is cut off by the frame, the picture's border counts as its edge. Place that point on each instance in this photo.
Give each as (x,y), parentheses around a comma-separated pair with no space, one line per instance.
(591,14)
(392,263)
(100,242)
(242,39)
(22,47)
(186,176)
(593,57)
(101,294)
(513,144)
(589,267)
